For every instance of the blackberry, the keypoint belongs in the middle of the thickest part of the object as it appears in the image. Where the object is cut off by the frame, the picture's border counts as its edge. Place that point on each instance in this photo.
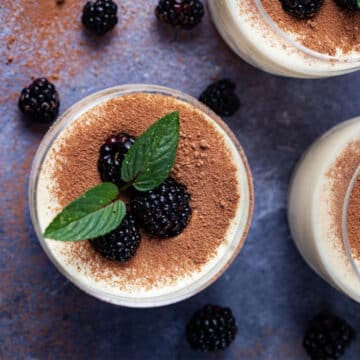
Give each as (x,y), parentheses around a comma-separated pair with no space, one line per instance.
(112,154)
(349,4)
(100,16)
(185,14)
(122,243)
(211,328)
(220,97)
(327,337)
(163,212)
(40,101)
(302,9)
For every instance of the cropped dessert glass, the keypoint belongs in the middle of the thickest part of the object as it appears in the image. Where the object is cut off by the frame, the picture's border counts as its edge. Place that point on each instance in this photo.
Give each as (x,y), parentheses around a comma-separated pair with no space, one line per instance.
(245,207)
(251,32)
(318,206)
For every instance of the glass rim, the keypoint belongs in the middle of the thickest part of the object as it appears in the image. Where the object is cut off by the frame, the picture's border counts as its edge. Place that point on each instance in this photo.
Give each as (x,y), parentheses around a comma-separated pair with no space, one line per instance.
(344,221)
(288,38)
(205,279)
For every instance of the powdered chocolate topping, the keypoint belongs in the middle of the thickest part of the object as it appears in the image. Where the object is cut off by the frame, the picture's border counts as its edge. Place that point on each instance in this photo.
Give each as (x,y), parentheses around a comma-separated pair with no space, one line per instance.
(354,220)
(341,174)
(332,29)
(43,28)
(203,164)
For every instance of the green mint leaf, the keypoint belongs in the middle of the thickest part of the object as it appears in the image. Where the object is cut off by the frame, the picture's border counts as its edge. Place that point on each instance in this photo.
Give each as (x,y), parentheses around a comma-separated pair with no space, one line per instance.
(91,215)
(358,4)
(150,159)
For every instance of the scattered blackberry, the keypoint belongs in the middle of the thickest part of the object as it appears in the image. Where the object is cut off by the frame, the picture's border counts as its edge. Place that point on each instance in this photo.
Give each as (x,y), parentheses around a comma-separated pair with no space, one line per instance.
(185,14)
(40,101)
(112,154)
(302,9)
(122,243)
(163,212)
(327,337)
(349,4)
(211,328)
(100,16)
(220,97)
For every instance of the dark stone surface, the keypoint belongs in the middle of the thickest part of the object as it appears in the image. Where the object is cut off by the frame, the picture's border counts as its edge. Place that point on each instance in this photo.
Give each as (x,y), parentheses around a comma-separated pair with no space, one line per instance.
(270,289)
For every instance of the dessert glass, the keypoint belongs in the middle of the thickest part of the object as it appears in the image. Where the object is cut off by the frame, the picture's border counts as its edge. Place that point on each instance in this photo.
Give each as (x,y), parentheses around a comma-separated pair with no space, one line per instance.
(252,34)
(326,250)
(244,211)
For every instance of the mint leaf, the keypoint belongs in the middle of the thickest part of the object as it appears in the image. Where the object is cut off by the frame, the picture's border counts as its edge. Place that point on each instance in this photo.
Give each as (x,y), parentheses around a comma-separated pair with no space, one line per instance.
(150,159)
(358,4)
(91,215)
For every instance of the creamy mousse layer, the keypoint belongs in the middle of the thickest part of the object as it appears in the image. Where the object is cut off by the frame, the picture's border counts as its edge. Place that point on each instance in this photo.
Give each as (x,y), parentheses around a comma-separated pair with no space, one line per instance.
(208,163)
(316,202)
(244,28)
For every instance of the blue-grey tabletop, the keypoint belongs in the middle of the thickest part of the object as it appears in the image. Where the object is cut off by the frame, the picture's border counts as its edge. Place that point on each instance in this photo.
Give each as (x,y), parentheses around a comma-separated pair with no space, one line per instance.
(272,292)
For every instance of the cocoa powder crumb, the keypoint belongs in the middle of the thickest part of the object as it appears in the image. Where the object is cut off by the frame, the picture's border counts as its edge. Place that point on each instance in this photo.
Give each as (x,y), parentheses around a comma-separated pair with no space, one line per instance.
(214,196)
(9,42)
(332,29)
(54,77)
(9,60)
(204,144)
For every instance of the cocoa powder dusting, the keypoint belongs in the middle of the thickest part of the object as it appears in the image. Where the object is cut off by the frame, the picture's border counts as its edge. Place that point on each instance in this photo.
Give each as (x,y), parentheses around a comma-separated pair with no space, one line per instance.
(43,28)
(332,29)
(51,34)
(203,164)
(341,174)
(353,224)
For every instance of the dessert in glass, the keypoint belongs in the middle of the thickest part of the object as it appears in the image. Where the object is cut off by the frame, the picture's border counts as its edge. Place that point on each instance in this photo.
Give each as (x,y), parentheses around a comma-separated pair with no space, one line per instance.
(323,209)
(210,164)
(263,34)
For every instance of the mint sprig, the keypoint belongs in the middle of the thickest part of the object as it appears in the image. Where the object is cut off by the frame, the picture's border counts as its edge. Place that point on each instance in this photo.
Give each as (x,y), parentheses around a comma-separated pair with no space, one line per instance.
(358,4)
(151,158)
(146,166)
(93,214)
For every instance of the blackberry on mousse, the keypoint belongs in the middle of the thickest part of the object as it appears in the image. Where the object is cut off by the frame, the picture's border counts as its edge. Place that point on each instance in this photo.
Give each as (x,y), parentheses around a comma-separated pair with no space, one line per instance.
(184,14)
(327,337)
(112,154)
(349,4)
(302,9)
(165,211)
(211,328)
(40,101)
(100,16)
(122,243)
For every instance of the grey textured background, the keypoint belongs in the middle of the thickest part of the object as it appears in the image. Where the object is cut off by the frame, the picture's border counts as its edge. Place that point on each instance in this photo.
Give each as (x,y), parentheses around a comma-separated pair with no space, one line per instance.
(270,289)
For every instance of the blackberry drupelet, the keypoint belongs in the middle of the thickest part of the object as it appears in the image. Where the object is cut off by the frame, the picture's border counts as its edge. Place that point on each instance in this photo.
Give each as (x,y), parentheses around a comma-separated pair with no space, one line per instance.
(302,9)
(327,337)
(100,16)
(112,154)
(349,4)
(221,98)
(163,212)
(122,243)
(40,101)
(211,328)
(185,14)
